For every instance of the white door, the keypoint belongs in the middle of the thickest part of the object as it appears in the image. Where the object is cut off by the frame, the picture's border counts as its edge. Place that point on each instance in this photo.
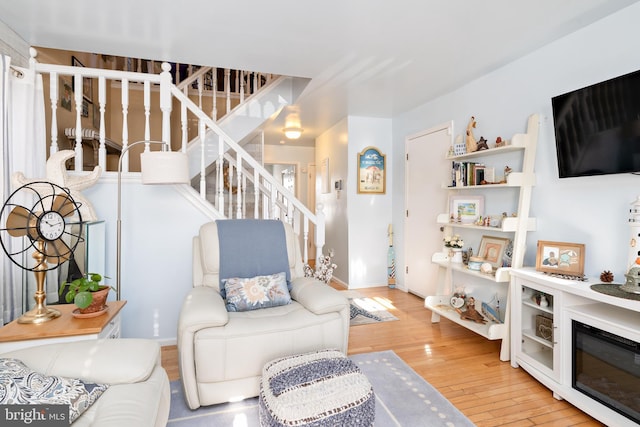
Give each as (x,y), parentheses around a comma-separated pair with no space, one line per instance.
(425,173)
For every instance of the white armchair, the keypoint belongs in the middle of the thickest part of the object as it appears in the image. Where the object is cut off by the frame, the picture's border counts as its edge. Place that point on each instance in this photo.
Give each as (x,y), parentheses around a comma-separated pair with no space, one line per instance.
(221,353)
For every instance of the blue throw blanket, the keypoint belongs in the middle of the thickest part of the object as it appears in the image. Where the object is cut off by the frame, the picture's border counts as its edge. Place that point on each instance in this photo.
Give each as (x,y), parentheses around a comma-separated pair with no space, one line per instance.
(251,247)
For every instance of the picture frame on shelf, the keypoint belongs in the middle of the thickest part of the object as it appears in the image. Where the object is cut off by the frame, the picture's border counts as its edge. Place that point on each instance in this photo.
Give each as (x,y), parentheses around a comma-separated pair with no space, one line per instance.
(466,209)
(492,250)
(560,258)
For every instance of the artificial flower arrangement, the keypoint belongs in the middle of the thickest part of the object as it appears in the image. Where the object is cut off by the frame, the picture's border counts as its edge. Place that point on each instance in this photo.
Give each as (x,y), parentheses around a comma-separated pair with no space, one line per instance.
(324,268)
(454,241)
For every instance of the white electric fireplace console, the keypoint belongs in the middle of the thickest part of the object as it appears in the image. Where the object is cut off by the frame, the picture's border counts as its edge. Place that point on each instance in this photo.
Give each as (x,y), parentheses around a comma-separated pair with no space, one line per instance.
(581,344)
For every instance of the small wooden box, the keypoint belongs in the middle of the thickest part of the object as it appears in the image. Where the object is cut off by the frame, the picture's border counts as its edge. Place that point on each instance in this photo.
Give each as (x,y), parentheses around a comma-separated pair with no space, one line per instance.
(544,327)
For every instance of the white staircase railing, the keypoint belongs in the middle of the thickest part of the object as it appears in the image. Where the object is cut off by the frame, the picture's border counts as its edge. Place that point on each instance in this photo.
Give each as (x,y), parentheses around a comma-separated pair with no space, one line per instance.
(243,188)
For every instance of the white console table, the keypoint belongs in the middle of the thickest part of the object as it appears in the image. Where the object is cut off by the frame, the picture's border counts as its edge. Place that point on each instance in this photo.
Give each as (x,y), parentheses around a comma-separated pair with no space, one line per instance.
(545,351)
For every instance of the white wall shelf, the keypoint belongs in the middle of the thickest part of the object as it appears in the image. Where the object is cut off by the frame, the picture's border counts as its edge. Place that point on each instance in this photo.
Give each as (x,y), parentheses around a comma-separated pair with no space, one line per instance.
(518,226)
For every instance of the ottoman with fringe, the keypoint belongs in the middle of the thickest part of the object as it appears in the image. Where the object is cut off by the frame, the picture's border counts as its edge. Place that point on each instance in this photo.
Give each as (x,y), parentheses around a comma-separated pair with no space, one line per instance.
(315,389)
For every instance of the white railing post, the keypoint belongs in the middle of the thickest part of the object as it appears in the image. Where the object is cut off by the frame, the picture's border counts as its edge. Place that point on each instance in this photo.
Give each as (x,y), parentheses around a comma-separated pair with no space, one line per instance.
(203,166)
(53,98)
(147,114)
(305,240)
(319,232)
(102,102)
(214,81)
(165,101)
(220,178)
(77,87)
(240,190)
(125,124)
(241,85)
(256,193)
(227,88)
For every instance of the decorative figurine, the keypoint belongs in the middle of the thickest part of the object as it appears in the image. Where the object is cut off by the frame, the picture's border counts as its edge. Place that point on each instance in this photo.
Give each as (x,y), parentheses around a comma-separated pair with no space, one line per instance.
(500,142)
(471,313)
(471,143)
(482,144)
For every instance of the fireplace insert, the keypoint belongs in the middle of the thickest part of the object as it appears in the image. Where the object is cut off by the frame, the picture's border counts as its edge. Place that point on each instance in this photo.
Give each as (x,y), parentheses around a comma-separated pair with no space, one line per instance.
(606,367)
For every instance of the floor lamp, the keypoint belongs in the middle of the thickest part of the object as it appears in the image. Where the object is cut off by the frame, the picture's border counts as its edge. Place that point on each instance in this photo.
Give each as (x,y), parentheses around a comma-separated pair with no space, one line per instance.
(157,167)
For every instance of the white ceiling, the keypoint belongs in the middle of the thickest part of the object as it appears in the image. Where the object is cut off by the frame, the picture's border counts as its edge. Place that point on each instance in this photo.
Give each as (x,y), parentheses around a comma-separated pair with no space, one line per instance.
(377,58)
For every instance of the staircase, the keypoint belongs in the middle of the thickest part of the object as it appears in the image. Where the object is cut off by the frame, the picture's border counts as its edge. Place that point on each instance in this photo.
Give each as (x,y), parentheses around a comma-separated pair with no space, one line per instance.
(227,181)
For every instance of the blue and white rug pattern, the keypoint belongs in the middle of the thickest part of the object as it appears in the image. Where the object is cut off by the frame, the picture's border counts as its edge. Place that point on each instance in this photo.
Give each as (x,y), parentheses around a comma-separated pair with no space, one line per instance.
(403,398)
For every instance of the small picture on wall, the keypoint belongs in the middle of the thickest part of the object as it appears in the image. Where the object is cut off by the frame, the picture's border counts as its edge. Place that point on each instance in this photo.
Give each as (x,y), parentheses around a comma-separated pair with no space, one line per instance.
(371,171)
(66,93)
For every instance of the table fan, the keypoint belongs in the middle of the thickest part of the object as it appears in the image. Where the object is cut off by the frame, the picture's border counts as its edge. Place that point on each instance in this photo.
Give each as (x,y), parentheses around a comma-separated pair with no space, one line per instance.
(40,216)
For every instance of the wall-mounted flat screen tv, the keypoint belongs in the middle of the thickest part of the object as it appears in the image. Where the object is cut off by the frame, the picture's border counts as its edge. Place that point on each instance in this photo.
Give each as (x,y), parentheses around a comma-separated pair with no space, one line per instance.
(597,128)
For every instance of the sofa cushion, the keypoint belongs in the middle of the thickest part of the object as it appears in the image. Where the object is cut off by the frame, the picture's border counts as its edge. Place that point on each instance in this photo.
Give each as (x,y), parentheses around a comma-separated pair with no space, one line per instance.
(244,294)
(19,384)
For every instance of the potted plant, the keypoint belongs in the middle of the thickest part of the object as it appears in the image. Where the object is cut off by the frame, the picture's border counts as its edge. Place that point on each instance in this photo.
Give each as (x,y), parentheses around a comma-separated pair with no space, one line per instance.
(87,293)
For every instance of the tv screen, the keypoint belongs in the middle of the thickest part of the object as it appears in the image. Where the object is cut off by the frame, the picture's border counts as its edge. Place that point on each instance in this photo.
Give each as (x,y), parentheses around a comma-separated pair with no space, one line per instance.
(597,128)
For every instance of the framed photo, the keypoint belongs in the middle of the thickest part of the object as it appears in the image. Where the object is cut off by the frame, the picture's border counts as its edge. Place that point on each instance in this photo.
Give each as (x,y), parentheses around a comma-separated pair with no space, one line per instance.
(492,250)
(466,209)
(65,93)
(560,258)
(87,83)
(371,171)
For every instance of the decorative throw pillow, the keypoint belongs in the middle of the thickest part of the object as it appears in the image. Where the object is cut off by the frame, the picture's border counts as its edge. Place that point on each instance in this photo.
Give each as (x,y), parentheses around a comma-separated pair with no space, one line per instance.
(257,292)
(19,384)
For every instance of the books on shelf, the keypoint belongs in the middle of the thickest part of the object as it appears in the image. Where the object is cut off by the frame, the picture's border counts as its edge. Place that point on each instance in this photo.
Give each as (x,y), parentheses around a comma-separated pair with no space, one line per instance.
(470,173)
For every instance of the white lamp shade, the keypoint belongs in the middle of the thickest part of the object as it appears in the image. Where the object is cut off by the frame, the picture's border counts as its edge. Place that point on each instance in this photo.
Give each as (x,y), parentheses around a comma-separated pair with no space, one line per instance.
(164,167)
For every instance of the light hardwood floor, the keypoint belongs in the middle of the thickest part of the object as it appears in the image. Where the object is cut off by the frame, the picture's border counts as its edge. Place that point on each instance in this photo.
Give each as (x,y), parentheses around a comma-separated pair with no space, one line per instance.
(463,366)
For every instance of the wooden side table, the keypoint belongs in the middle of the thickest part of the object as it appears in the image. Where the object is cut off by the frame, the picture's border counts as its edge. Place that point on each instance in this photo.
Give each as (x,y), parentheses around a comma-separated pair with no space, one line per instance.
(66,328)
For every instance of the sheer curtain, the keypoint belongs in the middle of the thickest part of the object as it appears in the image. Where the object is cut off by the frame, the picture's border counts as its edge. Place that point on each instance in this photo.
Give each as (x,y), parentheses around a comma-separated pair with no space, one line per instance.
(23,149)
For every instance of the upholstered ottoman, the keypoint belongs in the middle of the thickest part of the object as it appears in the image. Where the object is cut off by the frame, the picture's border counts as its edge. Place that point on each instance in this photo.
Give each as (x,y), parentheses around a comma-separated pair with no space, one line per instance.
(322,388)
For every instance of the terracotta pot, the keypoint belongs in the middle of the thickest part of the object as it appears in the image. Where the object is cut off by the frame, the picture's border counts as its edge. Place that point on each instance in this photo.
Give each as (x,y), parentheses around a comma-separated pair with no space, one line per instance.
(99,300)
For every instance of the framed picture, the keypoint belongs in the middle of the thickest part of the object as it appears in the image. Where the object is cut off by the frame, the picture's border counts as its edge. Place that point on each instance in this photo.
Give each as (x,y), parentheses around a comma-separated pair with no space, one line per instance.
(87,83)
(492,250)
(371,171)
(85,108)
(65,93)
(96,117)
(466,209)
(560,258)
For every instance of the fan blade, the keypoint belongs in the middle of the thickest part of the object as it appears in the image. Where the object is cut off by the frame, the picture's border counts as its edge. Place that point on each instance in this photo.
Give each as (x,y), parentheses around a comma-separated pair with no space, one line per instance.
(57,251)
(20,222)
(63,205)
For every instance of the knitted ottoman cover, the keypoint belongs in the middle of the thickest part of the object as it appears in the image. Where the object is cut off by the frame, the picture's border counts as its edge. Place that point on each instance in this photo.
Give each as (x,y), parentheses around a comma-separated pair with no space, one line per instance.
(322,388)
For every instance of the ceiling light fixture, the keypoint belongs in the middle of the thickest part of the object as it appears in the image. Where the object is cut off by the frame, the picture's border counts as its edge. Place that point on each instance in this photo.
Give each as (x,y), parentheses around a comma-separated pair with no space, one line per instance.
(292,133)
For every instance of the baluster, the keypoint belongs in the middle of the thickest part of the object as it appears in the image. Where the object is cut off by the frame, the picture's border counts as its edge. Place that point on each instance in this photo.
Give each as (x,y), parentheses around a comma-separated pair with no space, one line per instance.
(53,97)
(256,193)
(200,89)
(273,205)
(165,102)
(319,233)
(305,239)
(147,114)
(290,213)
(220,179)
(214,80)
(178,77)
(240,191)
(227,88)
(236,80)
(230,201)
(102,102)
(78,99)
(241,86)
(125,123)
(256,82)
(183,123)
(203,165)
(139,67)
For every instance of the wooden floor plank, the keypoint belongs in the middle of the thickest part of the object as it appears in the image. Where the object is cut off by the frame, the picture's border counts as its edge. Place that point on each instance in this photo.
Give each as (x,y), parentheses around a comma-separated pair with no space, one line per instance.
(463,366)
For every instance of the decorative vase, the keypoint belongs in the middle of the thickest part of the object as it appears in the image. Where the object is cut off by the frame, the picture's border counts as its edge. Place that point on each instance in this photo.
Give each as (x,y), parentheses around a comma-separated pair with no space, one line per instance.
(456,255)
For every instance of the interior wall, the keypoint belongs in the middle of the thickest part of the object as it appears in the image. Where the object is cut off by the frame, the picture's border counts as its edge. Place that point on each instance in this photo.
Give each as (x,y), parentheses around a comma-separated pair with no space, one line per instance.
(369,215)
(333,145)
(589,210)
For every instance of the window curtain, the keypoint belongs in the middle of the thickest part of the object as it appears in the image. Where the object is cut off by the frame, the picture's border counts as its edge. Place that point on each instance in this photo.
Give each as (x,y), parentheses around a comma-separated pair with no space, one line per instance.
(23,149)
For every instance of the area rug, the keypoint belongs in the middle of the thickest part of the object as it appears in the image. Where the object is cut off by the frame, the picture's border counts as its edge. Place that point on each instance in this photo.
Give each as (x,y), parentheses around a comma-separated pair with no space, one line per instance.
(403,398)
(367,310)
